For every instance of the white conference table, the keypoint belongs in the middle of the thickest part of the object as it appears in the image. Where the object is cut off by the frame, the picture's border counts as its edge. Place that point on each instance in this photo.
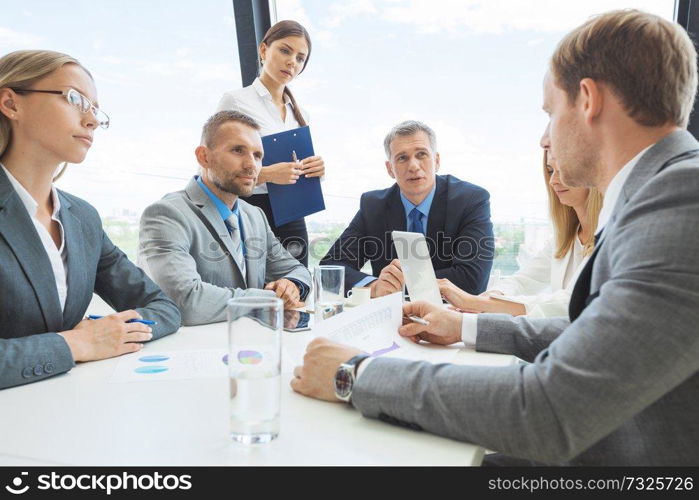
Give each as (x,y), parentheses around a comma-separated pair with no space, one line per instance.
(80,418)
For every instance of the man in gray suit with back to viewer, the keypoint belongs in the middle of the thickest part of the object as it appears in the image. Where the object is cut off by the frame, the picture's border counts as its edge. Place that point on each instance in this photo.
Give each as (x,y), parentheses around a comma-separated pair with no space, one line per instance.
(204,245)
(616,382)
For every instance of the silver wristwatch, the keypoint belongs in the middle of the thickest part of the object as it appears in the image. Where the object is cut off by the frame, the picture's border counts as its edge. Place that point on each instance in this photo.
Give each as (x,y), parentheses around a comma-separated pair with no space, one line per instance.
(345,376)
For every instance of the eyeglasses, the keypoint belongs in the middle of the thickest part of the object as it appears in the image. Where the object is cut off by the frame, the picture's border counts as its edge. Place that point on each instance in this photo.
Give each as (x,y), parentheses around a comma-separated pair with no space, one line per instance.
(76,99)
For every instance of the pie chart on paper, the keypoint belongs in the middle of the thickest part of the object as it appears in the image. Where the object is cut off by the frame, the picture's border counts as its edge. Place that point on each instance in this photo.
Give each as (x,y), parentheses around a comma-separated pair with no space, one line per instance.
(249,357)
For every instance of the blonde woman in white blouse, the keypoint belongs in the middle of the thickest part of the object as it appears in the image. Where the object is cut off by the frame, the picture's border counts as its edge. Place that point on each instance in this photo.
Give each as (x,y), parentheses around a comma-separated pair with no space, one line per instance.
(284,53)
(542,288)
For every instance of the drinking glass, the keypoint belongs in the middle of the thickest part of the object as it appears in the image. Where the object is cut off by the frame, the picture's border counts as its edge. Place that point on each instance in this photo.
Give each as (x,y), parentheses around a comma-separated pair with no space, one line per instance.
(254,367)
(328,291)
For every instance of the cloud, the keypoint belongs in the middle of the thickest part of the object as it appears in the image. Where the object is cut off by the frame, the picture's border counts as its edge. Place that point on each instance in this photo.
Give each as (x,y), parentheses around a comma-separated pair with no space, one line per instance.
(349,9)
(489,17)
(17,40)
(293,9)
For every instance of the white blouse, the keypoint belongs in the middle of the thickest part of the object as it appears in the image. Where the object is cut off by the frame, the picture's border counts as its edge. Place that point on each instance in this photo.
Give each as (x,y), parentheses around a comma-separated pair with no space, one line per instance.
(256,102)
(544,285)
(58,257)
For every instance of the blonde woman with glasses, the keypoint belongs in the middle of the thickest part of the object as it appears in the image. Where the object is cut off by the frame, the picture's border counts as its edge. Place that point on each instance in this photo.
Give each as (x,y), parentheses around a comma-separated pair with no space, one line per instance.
(53,251)
(542,288)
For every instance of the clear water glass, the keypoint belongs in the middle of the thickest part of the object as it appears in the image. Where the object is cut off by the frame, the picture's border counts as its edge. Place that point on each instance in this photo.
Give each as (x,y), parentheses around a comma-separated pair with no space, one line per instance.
(254,368)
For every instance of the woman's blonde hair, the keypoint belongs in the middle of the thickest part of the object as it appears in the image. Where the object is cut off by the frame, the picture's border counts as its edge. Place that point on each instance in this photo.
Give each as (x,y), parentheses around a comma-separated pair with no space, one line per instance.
(565,219)
(20,70)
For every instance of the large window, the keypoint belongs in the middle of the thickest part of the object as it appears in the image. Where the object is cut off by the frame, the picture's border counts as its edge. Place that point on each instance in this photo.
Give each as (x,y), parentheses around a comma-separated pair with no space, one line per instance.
(470,69)
(160,68)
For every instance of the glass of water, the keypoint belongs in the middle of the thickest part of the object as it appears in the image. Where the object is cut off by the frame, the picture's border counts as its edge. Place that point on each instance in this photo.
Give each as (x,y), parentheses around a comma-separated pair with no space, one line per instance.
(328,291)
(254,367)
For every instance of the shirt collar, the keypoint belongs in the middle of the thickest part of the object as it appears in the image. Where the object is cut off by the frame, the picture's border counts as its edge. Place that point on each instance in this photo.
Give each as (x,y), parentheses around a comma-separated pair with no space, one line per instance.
(263,91)
(423,207)
(222,208)
(28,201)
(614,190)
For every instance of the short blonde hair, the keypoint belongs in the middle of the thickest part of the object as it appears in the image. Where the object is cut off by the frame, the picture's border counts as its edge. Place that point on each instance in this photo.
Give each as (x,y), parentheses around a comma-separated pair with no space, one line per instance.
(649,63)
(20,70)
(565,219)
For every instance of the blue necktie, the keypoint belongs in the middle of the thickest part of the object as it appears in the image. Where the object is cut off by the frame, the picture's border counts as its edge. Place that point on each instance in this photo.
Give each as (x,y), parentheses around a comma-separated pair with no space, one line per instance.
(415,221)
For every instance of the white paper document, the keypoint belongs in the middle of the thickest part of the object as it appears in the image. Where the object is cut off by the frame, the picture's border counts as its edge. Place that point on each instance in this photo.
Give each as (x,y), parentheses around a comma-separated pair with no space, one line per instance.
(171,365)
(373,328)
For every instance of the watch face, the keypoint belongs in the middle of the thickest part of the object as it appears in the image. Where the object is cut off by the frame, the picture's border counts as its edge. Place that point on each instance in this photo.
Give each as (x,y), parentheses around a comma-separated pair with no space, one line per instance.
(344,379)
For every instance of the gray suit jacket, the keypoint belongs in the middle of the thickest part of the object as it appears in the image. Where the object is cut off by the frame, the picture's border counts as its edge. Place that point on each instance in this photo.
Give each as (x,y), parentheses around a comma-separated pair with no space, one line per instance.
(30,311)
(186,248)
(619,385)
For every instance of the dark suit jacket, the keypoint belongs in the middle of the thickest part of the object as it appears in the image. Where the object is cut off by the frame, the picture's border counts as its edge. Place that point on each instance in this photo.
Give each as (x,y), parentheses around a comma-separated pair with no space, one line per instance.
(30,311)
(459,234)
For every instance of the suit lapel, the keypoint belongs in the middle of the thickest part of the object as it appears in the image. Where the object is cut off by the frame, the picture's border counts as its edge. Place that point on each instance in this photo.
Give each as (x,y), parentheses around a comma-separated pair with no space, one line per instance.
(394,220)
(212,219)
(437,218)
(558,269)
(77,275)
(255,246)
(18,230)
(395,212)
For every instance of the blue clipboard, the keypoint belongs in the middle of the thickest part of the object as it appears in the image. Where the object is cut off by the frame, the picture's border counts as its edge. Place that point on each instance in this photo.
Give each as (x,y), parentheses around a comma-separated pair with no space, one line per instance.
(290,202)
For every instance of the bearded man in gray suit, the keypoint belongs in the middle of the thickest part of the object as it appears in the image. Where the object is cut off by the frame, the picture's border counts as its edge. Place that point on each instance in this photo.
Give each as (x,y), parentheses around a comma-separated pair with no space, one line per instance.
(616,382)
(204,245)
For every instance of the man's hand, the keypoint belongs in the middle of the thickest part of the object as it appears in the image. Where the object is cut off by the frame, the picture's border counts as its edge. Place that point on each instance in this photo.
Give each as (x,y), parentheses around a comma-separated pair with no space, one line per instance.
(107,337)
(313,166)
(315,378)
(280,173)
(389,281)
(444,326)
(287,291)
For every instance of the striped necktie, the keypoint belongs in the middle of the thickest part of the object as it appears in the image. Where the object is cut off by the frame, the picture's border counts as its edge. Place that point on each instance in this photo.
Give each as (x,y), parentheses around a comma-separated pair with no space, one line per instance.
(234,230)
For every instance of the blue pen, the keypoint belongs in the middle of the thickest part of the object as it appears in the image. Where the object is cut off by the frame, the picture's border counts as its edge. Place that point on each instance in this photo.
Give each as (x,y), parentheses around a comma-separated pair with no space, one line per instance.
(144,321)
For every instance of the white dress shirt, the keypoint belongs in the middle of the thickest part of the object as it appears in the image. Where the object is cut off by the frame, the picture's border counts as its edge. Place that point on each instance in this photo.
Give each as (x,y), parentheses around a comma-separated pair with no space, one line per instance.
(614,190)
(256,102)
(544,283)
(469,322)
(58,257)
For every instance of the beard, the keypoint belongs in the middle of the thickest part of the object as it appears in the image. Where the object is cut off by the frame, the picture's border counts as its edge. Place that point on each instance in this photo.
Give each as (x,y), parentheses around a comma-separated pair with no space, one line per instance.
(228,182)
(577,158)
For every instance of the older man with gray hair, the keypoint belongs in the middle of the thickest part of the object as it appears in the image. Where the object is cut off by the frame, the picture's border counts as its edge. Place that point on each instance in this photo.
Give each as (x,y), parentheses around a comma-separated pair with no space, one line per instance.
(453,215)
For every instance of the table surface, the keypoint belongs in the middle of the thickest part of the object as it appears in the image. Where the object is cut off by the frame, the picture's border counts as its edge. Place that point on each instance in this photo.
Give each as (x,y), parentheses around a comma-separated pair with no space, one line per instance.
(80,418)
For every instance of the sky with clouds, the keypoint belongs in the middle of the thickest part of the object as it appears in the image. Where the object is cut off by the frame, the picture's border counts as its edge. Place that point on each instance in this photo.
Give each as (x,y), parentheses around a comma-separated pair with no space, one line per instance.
(470,69)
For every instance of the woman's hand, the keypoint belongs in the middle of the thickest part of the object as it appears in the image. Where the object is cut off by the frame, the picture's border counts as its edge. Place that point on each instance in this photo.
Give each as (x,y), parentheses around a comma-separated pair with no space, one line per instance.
(458,298)
(280,173)
(313,166)
(110,336)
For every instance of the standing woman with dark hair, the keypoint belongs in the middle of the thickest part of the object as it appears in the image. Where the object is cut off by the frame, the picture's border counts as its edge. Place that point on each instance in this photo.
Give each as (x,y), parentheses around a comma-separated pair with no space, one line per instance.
(284,53)
(54,253)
